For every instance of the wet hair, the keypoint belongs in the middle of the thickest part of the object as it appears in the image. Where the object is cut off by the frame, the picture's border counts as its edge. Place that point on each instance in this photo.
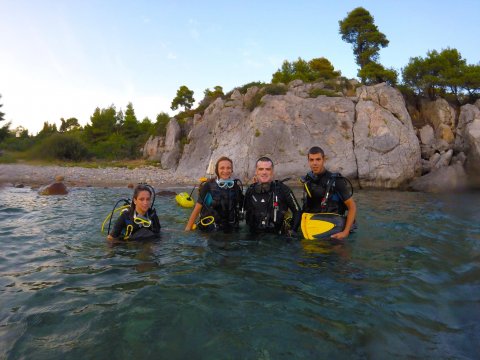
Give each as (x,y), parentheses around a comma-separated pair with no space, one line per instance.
(223,158)
(136,192)
(264,158)
(316,150)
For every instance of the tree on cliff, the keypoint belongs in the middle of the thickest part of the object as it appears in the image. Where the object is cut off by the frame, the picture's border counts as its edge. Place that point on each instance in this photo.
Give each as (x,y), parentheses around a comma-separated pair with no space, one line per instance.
(315,69)
(441,73)
(375,73)
(184,98)
(359,29)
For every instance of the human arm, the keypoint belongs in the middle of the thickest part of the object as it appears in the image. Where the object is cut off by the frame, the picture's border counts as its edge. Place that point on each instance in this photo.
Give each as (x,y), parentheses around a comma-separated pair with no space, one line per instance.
(352,211)
(118,227)
(193,216)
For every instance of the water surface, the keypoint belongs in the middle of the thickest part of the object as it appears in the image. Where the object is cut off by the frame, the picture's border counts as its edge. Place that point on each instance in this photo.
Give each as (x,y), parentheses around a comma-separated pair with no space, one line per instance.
(406,285)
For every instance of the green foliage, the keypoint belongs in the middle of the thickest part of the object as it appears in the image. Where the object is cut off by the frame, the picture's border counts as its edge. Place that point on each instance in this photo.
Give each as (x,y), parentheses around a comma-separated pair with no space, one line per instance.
(210,96)
(471,79)
(103,124)
(116,147)
(22,143)
(69,124)
(315,69)
(130,127)
(275,89)
(358,28)
(7,158)
(161,124)
(323,68)
(243,89)
(440,74)
(61,147)
(47,130)
(1,113)
(257,133)
(375,73)
(146,127)
(4,132)
(184,98)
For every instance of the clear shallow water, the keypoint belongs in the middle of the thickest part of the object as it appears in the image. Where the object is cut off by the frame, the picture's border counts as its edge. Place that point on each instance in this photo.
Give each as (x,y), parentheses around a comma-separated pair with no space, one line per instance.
(406,285)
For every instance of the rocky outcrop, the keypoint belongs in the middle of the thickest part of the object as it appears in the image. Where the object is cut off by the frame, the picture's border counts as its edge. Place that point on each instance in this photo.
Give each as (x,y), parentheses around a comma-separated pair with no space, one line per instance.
(166,150)
(368,140)
(368,137)
(467,139)
(153,148)
(444,179)
(386,147)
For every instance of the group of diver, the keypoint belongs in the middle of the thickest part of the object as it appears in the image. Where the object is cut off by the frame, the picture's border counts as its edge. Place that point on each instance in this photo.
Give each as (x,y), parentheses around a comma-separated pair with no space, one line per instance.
(267,205)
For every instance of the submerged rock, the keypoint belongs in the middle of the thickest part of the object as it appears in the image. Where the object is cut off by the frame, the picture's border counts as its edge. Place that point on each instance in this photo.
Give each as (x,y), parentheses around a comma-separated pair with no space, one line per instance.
(55,188)
(444,179)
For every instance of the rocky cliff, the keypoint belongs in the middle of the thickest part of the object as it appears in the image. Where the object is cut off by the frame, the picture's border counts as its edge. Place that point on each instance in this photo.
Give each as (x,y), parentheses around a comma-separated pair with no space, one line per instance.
(368,137)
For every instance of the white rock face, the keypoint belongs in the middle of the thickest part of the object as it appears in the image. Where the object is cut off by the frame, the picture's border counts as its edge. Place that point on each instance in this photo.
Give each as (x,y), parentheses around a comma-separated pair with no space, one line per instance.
(386,147)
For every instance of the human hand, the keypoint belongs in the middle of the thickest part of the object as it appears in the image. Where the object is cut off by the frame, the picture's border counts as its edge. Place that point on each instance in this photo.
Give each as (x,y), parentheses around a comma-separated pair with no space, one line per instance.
(340,236)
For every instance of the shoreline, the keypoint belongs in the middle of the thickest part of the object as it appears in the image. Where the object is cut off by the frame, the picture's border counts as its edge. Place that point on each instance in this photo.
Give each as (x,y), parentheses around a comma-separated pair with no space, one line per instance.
(75,176)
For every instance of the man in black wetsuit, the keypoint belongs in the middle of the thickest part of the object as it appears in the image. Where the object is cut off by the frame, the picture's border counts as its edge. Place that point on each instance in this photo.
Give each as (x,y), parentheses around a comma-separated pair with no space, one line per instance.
(267,202)
(328,192)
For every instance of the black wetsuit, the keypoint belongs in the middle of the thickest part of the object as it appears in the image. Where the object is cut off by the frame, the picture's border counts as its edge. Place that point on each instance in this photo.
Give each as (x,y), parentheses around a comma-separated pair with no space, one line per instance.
(138,232)
(316,187)
(266,206)
(220,203)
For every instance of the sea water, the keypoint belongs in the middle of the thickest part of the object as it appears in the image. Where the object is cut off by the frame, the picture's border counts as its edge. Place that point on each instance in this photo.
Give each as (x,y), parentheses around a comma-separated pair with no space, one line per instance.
(406,285)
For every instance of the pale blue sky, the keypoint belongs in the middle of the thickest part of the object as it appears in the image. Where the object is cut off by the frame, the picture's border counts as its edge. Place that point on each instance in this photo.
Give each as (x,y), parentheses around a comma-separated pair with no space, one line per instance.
(65,58)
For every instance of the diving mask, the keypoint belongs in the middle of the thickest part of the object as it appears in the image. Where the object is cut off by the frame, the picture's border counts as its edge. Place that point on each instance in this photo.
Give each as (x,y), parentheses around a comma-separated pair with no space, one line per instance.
(225,184)
(142,221)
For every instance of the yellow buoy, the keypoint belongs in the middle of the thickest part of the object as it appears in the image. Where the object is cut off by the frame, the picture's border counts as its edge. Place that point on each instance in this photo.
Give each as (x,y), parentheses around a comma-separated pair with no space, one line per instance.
(184,200)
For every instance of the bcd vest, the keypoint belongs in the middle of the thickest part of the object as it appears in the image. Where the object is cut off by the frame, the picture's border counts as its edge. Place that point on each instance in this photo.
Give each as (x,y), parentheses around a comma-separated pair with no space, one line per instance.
(266,209)
(222,205)
(320,195)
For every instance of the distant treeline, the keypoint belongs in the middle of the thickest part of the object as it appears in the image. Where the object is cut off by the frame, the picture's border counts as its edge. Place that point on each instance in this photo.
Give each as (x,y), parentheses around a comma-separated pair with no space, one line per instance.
(114,135)
(110,135)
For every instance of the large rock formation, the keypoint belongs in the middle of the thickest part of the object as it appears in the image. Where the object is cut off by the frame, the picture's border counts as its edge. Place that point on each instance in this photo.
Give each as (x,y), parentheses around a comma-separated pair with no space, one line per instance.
(373,141)
(467,139)
(386,147)
(368,137)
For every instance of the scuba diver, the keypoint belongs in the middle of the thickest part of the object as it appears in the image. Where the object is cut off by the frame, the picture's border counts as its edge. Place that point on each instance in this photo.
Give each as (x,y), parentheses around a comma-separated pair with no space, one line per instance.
(267,202)
(327,192)
(218,201)
(138,220)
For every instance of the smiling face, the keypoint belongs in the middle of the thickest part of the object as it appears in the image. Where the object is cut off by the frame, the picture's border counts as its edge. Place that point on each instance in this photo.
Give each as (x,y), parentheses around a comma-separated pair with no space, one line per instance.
(316,163)
(142,202)
(225,169)
(264,171)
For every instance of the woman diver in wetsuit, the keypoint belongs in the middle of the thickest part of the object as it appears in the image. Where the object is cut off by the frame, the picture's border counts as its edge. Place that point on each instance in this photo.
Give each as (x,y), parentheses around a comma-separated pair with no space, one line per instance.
(140,220)
(219,201)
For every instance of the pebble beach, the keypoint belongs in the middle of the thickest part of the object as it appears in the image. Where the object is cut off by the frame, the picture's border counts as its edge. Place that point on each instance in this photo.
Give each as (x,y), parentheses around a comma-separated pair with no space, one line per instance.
(35,176)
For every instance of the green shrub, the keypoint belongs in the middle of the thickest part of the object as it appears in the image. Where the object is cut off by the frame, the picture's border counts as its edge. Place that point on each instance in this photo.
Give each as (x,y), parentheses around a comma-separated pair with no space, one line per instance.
(254,101)
(317,92)
(7,158)
(61,146)
(275,89)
